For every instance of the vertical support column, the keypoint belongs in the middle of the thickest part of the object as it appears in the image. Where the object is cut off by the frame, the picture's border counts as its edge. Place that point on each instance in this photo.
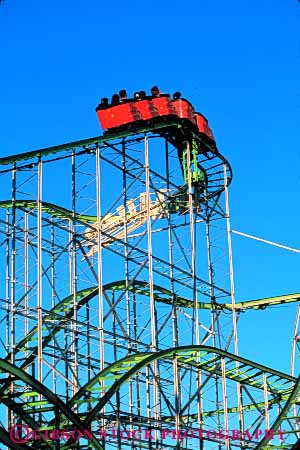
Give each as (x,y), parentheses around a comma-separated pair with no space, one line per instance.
(295,408)
(196,330)
(69,332)
(99,273)
(266,401)
(26,280)
(192,241)
(99,258)
(8,280)
(215,324)
(225,404)
(39,275)
(118,397)
(148,401)
(234,315)
(13,266)
(123,214)
(176,370)
(294,343)
(73,278)
(12,278)
(53,283)
(232,289)
(151,290)
(137,377)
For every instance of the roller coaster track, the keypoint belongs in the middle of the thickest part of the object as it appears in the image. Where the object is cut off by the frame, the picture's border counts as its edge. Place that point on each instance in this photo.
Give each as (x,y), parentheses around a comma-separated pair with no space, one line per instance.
(176,133)
(246,372)
(56,317)
(31,399)
(28,403)
(165,296)
(161,294)
(201,357)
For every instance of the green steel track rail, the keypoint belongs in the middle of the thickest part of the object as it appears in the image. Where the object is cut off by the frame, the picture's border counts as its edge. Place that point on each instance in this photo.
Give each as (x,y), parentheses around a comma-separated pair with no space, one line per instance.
(141,287)
(20,405)
(176,133)
(114,376)
(165,296)
(284,387)
(57,315)
(49,208)
(64,310)
(40,153)
(282,416)
(202,357)
(162,294)
(206,358)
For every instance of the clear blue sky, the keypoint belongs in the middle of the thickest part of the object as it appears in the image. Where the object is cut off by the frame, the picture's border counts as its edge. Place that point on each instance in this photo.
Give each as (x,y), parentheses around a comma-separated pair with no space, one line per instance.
(237,61)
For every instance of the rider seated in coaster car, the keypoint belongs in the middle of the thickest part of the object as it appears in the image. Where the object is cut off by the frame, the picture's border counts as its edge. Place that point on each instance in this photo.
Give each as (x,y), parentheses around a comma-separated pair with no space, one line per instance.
(184,109)
(162,103)
(157,107)
(144,105)
(202,125)
(121,111)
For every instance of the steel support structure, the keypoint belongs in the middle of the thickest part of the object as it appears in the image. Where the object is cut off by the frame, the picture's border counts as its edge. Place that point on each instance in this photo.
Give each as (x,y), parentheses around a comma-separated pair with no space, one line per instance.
(117,306)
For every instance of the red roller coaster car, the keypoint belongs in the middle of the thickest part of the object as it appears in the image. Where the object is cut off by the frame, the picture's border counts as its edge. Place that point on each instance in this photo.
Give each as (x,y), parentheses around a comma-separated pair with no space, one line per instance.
(122,113)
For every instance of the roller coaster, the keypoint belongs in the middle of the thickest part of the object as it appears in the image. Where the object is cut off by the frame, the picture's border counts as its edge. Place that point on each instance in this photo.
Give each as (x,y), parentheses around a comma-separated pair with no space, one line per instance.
(118,312)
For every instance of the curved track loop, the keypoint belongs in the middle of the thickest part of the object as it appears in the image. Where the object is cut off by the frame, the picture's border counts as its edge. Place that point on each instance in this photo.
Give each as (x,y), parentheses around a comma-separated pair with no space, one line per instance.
(28,404)
(284,387)
(209,158)
(201,357)
(139,287)
(162,294)
(247,373)
(49,208)
(56,318)
(283,416)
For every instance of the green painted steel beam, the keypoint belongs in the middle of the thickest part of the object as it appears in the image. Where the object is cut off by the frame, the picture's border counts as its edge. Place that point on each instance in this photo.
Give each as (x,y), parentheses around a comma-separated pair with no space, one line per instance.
(263,303)
(40,153)
(59,405)
(6,439)
(65,307)
(125,368)
(140,287)
(283,414)
(230,410)
(49,208)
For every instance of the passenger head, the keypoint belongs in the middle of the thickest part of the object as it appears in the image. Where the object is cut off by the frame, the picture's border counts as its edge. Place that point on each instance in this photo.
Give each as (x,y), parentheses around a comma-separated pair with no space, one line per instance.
(176,95)
(155,91)
(123,95)
(115,100)
(103,103)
